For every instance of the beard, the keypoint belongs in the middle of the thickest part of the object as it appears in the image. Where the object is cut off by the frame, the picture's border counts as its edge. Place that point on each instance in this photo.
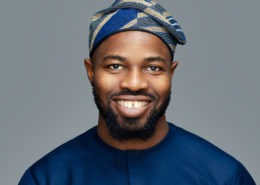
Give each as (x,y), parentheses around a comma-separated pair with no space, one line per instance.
(125,128)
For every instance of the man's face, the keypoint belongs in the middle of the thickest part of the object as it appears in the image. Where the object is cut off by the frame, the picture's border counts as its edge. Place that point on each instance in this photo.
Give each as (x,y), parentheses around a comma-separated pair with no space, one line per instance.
(131,75)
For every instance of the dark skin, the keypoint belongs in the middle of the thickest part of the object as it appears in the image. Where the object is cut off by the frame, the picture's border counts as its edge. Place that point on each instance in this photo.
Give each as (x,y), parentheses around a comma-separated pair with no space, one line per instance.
(136,61)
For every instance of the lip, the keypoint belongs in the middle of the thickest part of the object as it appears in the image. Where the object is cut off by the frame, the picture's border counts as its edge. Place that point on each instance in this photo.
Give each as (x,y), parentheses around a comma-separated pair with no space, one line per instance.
(132,106)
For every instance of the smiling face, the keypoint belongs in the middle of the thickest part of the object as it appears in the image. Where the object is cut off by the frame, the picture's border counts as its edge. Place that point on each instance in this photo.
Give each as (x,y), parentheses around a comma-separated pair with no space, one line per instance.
(131,74)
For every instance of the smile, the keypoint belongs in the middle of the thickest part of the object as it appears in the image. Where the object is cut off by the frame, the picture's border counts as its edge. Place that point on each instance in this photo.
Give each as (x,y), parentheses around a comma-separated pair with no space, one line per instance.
(132,104)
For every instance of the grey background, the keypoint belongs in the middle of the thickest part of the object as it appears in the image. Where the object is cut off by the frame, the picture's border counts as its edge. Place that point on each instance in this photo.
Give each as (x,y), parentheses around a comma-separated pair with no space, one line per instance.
(46,99)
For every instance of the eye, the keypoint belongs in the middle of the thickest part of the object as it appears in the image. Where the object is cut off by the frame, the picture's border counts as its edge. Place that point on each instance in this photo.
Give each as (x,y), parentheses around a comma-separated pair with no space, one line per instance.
(153,68)
(115,67)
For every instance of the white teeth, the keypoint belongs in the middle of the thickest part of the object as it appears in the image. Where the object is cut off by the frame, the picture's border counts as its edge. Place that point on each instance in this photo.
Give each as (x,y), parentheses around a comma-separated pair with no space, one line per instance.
(128,104)
(132,104)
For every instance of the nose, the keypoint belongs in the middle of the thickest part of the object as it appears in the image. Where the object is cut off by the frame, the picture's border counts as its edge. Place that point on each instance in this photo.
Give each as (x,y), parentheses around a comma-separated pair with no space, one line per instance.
(134,80)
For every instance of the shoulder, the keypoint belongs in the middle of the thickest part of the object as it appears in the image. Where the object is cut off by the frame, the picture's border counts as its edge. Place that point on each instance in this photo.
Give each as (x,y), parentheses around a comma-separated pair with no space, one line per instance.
(59,164)
(208,160)
(68,153)
(199,147)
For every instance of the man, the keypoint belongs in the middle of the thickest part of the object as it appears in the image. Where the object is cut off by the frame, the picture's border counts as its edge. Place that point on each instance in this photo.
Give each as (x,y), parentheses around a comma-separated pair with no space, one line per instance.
(132,45)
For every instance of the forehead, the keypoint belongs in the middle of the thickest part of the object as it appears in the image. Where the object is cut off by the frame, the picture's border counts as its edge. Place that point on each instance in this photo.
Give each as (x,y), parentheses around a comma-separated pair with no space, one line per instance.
(133,44)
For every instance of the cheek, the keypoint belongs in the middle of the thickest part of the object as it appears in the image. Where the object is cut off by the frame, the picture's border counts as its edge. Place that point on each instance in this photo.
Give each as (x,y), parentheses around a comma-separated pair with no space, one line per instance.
(161,86)
(105,83)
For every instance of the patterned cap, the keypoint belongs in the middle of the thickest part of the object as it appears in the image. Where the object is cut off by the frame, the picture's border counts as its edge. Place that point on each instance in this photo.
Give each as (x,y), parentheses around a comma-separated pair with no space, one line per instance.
(143,15)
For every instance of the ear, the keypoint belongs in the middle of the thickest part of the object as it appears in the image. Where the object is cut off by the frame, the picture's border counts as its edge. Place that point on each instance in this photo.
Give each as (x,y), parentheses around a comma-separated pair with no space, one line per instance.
(173,66)
(89,69)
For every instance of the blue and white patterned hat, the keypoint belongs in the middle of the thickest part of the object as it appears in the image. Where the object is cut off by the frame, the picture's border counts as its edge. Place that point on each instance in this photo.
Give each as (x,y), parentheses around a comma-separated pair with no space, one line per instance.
(143,15)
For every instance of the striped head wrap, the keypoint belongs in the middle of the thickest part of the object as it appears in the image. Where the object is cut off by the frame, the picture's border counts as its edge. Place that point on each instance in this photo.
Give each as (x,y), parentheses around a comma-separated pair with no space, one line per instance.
(143,15)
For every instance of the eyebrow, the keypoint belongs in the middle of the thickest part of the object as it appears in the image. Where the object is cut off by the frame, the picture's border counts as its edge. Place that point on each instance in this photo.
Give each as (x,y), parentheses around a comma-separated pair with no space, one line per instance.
(114,57)
(152,59)
(122,59)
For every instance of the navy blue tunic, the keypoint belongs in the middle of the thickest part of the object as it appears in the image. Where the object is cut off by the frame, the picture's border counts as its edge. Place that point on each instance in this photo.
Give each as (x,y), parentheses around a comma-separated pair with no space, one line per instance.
(182,158)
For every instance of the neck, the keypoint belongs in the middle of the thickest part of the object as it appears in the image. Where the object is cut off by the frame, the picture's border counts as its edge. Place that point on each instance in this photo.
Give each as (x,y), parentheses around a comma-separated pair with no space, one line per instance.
(133,144)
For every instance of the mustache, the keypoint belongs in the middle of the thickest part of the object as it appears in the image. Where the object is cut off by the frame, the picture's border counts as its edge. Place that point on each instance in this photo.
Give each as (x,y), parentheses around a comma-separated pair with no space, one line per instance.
(134,93)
